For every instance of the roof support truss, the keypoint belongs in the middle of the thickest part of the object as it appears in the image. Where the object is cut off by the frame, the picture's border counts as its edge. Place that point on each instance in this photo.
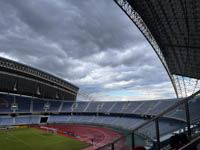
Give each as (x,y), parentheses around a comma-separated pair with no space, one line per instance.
(137,20)
(183,86)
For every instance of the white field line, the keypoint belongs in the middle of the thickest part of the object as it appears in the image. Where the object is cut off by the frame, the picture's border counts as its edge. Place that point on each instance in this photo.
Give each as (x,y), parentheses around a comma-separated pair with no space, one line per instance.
(20,140)
(7,138)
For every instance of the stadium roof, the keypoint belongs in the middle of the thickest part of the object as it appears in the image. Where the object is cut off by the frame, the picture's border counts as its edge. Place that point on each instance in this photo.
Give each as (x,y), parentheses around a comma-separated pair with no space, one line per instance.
(172,27)
(22,79)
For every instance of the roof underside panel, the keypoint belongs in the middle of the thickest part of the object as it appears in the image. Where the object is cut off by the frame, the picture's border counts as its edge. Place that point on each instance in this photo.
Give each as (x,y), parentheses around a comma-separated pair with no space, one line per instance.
(175,25)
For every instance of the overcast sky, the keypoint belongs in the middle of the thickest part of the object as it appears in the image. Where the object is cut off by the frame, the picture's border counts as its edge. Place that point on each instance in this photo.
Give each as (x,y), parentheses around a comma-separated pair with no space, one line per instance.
(90,43)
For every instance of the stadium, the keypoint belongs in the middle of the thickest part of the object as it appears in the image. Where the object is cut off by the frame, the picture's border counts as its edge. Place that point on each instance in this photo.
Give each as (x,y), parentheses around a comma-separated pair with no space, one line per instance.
(40,111)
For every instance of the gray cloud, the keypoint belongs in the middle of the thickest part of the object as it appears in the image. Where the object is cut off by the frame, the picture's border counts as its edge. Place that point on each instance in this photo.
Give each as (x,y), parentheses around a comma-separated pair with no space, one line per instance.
(91,43)
(100,30)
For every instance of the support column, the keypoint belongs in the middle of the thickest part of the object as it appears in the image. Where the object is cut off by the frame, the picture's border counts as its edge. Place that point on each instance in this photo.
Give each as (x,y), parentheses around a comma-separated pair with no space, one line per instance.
(113,146)
(188,119)
(133,140)
(157,134)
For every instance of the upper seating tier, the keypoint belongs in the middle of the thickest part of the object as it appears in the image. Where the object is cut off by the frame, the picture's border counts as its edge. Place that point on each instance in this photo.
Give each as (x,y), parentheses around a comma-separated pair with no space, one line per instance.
(21,104)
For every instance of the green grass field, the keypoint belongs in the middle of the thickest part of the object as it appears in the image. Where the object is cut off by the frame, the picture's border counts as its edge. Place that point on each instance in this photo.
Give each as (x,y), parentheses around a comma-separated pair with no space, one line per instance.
(33,139)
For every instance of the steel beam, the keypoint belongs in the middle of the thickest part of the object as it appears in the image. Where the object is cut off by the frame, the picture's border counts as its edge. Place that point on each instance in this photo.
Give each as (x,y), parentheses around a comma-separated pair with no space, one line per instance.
(181,88)
(137,20)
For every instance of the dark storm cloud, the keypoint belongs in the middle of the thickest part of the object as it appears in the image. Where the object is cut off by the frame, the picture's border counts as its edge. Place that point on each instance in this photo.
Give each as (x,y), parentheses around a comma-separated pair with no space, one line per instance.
(91,43)
(81,28)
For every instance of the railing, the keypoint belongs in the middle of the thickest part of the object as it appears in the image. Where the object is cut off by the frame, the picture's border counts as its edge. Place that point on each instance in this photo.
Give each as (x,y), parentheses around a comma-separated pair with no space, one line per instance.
(154,128)
(192,144)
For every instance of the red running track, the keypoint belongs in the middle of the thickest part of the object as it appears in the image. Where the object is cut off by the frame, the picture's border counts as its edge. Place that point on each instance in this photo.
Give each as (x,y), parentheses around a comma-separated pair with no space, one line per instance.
(100,135)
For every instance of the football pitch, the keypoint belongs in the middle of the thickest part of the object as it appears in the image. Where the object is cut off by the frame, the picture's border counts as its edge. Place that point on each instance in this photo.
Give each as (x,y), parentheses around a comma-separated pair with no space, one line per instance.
(34,139)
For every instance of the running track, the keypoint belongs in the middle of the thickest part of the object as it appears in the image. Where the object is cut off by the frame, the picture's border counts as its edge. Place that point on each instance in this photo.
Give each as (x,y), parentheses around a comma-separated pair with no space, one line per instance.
(100,135)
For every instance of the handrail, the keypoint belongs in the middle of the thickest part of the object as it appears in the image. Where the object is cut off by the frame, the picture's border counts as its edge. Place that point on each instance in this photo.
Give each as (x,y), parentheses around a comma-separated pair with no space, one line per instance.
(192,144)
(169,109)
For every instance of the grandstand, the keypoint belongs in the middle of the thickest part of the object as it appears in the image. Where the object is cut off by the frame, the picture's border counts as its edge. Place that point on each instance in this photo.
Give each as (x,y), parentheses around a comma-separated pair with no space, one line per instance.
(122,115)
(33,98)
(20,110)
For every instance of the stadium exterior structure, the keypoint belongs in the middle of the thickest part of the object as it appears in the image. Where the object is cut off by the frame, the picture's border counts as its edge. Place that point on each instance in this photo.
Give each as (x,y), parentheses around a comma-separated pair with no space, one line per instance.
(25,80)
